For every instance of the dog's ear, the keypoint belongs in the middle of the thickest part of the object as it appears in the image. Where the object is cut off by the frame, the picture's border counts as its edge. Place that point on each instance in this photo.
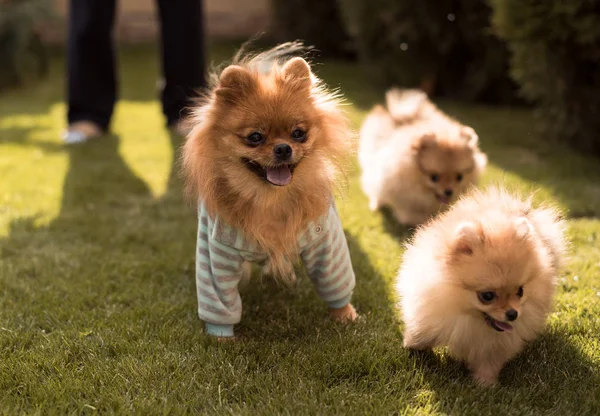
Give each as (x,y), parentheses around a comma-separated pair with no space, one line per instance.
(233,82)
(297,72)
(523,228)
(470,136)
(426,141)
(468,236)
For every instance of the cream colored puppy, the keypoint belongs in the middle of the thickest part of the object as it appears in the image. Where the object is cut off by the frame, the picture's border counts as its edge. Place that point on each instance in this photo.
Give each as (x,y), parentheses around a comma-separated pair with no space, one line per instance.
(414,158)
(480,279)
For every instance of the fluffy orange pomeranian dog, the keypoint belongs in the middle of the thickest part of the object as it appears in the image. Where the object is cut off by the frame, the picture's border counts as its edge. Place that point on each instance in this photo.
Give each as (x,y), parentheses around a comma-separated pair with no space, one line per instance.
(414,158)
(266,147)
(480,279)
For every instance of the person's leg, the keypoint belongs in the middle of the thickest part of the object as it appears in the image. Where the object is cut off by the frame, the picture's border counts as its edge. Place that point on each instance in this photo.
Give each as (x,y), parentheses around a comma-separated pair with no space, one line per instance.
(91,63)
(182,36)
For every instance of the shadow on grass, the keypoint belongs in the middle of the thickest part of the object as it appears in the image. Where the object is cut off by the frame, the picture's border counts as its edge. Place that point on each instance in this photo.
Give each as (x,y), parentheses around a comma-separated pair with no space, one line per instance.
(372,292)
(401,232)
(99,177)
(550,373)
(273,311)
(20,136)
(112,244)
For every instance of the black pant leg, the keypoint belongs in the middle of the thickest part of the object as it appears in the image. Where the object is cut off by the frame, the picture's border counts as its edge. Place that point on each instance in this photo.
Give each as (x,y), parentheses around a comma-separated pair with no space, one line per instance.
(91,61)
(182,35)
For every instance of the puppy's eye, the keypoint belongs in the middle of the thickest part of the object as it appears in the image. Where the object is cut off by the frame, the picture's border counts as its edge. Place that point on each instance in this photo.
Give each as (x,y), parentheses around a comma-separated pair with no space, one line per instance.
(435,177)
(486,297)
(520,292)
(459,177)
(299,135)
(254,139)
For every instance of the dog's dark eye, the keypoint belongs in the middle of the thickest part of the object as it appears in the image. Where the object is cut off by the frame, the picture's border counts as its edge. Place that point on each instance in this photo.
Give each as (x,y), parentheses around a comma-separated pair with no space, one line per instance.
(520,292)
(254,139)
(486,297)
(435,177)
(459,177)
(299,135)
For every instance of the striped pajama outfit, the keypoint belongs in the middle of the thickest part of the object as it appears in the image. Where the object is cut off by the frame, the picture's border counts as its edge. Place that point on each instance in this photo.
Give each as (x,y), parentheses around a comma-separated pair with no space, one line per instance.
(222,250)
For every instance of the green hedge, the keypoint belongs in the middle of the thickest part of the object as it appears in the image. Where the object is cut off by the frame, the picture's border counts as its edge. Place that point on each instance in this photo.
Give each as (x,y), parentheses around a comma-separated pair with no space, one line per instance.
(443,46)
(316,22)
(22,55)
(555,58)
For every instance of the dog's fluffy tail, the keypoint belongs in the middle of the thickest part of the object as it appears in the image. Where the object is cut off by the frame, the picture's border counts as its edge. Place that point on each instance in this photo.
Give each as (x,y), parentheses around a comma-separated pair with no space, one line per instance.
(407,105)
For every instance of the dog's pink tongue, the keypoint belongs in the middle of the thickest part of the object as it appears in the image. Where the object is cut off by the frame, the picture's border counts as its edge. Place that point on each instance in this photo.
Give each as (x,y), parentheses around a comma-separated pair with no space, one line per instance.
(444,199)
(504,326)
(280,175)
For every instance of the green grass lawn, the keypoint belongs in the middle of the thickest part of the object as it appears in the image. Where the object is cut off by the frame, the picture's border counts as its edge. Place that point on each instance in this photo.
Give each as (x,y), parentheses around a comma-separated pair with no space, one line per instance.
(97,292)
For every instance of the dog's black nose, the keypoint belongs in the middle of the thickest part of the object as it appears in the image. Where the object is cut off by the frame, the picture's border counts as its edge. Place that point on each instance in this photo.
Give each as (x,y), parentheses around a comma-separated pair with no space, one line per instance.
(511,314)
(448,192)
(282,152)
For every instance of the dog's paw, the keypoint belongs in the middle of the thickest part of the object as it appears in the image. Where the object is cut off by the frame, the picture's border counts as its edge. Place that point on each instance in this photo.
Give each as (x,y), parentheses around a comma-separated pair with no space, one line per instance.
(486,376)
(344,314)
(409,341)
(415,343)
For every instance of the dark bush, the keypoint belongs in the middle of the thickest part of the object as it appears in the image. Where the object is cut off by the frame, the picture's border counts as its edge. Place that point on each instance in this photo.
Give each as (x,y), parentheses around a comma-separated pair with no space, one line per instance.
(555,58)
(22,54)
(443,46)
(316,22)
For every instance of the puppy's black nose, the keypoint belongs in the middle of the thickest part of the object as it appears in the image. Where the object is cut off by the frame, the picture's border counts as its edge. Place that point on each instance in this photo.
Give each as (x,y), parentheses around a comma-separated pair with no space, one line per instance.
(282,152)
(448,192)
(511,314)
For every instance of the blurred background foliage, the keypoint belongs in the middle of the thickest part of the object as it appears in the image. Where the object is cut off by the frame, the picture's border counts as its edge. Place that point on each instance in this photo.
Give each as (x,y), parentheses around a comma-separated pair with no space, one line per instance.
(316,22)
(555,58)
(22,54)
(445,47)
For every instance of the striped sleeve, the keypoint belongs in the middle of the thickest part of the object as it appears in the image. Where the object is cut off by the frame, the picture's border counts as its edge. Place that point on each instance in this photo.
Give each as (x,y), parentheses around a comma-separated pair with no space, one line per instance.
(218,272)
(328,264)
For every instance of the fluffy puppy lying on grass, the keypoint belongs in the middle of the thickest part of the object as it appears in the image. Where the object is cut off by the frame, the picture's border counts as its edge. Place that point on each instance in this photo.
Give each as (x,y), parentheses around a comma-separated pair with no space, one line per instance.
(414,158)
(480,279)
